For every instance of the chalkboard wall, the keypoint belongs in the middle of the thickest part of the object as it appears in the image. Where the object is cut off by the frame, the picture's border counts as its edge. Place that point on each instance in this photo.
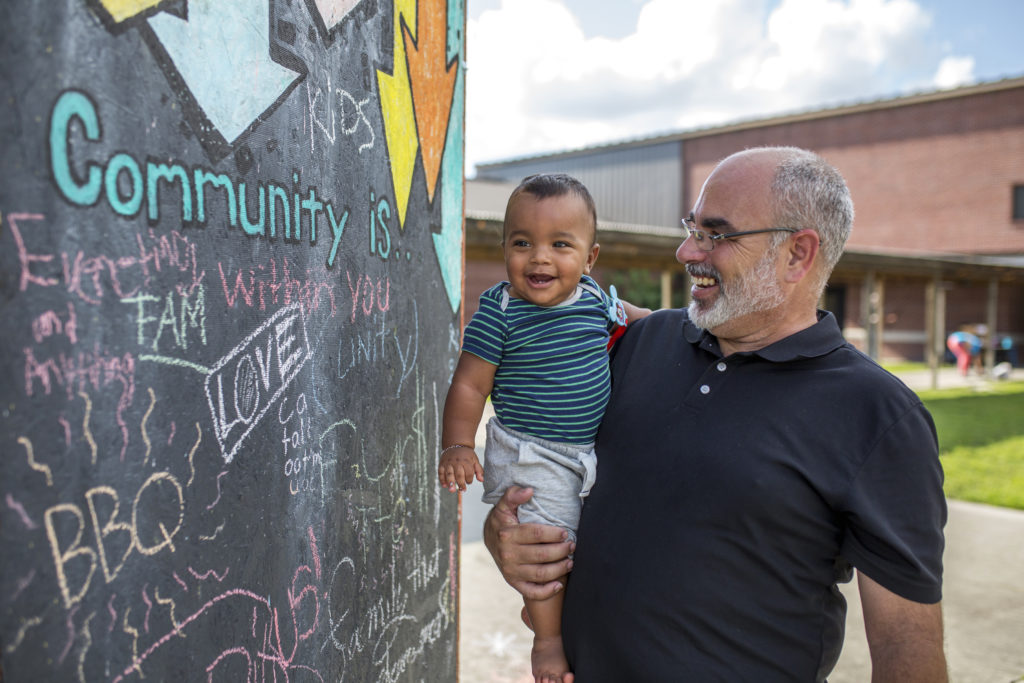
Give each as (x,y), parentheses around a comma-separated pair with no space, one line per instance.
(231,252)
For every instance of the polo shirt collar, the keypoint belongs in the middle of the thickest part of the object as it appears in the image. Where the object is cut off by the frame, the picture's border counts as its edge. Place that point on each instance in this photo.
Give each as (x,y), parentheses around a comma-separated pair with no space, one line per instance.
(817,340)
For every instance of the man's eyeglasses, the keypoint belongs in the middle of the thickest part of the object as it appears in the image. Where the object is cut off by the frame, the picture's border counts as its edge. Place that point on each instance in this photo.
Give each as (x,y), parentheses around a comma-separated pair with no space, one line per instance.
(706,242)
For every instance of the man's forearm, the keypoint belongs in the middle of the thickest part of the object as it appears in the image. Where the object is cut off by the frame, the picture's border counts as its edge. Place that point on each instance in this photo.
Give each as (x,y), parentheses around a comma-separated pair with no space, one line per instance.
(904,637)
(908,662)
(530,557)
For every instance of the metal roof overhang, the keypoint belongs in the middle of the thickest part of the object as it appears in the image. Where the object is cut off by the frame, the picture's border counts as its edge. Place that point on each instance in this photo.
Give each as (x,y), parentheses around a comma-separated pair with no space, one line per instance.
(625,245)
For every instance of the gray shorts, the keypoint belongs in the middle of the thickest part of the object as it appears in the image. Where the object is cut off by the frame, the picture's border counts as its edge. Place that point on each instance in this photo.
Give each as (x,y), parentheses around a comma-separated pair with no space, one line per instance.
(560,475)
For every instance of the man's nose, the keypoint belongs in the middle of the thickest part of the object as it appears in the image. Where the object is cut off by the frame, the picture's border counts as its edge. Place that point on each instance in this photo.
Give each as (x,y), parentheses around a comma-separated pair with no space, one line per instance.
(688,252)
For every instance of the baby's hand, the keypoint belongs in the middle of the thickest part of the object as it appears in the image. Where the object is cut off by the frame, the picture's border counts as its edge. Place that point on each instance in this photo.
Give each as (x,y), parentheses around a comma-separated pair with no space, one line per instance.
(457,468)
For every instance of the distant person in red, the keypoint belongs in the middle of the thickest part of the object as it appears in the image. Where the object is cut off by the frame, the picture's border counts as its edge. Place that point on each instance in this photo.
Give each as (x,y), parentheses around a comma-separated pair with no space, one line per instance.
(966,347)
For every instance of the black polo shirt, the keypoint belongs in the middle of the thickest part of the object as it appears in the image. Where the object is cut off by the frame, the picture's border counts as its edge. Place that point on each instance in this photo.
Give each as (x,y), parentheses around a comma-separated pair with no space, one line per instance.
(734,493)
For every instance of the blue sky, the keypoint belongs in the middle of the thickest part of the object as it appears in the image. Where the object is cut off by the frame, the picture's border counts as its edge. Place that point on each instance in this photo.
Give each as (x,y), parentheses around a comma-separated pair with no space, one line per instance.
(546,75)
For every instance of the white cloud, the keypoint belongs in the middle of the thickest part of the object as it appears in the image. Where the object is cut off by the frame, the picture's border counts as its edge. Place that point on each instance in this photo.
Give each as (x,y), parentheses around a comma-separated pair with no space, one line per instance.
(537,83)
(954,71)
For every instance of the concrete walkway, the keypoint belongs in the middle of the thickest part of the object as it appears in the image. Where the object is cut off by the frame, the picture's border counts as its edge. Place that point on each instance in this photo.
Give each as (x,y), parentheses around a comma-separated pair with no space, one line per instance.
(948,377)
(983,602)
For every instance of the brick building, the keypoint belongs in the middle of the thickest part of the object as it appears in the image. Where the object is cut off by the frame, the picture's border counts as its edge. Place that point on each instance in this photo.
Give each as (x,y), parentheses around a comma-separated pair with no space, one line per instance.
(938,184)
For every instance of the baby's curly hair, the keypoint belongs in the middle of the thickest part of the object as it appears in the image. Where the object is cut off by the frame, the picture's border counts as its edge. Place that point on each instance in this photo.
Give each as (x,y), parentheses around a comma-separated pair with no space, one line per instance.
(544,185)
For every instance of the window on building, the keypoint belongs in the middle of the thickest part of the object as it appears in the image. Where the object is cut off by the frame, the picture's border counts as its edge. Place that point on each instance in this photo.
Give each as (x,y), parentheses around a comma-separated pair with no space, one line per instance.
(1018,202)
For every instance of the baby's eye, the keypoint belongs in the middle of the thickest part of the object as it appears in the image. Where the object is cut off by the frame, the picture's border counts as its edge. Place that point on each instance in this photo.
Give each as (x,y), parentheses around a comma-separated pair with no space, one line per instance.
(520,243)
(561,243)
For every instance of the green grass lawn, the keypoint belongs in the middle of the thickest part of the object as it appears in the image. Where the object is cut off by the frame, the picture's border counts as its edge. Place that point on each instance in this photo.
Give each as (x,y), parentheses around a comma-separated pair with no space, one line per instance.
(981,441)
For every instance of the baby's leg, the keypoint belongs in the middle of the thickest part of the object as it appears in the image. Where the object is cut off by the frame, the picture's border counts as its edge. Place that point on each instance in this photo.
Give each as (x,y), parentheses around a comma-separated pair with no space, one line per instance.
(548,657)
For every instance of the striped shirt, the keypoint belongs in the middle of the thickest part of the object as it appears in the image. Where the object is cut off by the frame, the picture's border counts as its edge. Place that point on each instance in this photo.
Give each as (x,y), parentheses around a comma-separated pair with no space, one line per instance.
(552,380)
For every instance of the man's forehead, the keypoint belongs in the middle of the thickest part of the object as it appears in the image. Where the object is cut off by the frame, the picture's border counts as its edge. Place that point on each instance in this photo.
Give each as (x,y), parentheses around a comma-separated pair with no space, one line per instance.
(736,186)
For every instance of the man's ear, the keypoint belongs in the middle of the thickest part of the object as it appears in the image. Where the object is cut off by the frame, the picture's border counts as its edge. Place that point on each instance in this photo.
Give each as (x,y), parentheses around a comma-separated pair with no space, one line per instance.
(802,251)
(591,258)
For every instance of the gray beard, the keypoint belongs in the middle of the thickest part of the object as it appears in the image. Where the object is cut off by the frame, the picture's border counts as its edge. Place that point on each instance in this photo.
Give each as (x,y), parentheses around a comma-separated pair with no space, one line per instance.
(754,292)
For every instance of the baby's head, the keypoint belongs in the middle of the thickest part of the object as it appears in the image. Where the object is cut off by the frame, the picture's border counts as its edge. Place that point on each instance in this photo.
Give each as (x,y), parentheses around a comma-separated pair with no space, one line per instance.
(550,238)
(545,185)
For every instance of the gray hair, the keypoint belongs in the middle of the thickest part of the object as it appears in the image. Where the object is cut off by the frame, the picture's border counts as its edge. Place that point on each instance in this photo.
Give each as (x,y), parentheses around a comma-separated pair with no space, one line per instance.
(808,192)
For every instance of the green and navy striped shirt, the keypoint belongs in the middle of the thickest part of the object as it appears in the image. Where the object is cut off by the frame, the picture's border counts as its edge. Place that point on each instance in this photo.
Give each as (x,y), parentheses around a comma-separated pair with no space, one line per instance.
(552,380)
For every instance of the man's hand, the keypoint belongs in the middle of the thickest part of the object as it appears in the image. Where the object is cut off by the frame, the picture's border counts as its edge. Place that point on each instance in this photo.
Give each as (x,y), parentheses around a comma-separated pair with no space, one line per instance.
(529,556)
(904,637)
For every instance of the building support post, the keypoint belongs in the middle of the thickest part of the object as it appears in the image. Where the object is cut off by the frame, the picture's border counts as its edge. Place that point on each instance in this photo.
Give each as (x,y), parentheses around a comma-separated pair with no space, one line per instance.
(991,315)
(935,327)
(874,313)
(666,289)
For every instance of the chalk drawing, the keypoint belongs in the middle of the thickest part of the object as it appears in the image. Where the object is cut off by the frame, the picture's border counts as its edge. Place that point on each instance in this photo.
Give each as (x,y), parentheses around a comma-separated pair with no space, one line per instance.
(221,54)
(20,509)
(170,603)
(122,10)
(191,456)
(113,613)
(19,636)
(202,577)
(179,362)
(149,608)
(396,109)
(333,11)
(86,430)
(38,467)
(270,357)
(23,584)
(67,430)
(87,637)
(448,243)
(70,623)
(217,499)
(133,632)
(432,76)
(142,426)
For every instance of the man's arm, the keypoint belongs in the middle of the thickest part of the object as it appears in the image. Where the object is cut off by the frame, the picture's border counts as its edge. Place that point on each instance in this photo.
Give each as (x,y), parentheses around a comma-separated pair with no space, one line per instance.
(904,637)
(633,312)
(529,556)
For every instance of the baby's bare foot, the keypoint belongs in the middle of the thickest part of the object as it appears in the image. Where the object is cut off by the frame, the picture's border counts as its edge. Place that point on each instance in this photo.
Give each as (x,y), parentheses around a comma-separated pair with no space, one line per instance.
(548,660)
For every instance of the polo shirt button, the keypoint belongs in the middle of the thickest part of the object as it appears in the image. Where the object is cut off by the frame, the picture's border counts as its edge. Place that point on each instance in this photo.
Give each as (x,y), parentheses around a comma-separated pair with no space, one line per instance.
(721,367)
(705,389)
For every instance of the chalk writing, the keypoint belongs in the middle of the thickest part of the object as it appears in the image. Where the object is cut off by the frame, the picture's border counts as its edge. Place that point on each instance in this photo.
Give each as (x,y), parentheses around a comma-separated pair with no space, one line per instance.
(184,533)
(280,209)
(337,110)
(143,534)
(380,234)
(382,347)
(270,358)
(368,294)
(304,464)
(179,312)
(89,276)
(50,323)
(268,284)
